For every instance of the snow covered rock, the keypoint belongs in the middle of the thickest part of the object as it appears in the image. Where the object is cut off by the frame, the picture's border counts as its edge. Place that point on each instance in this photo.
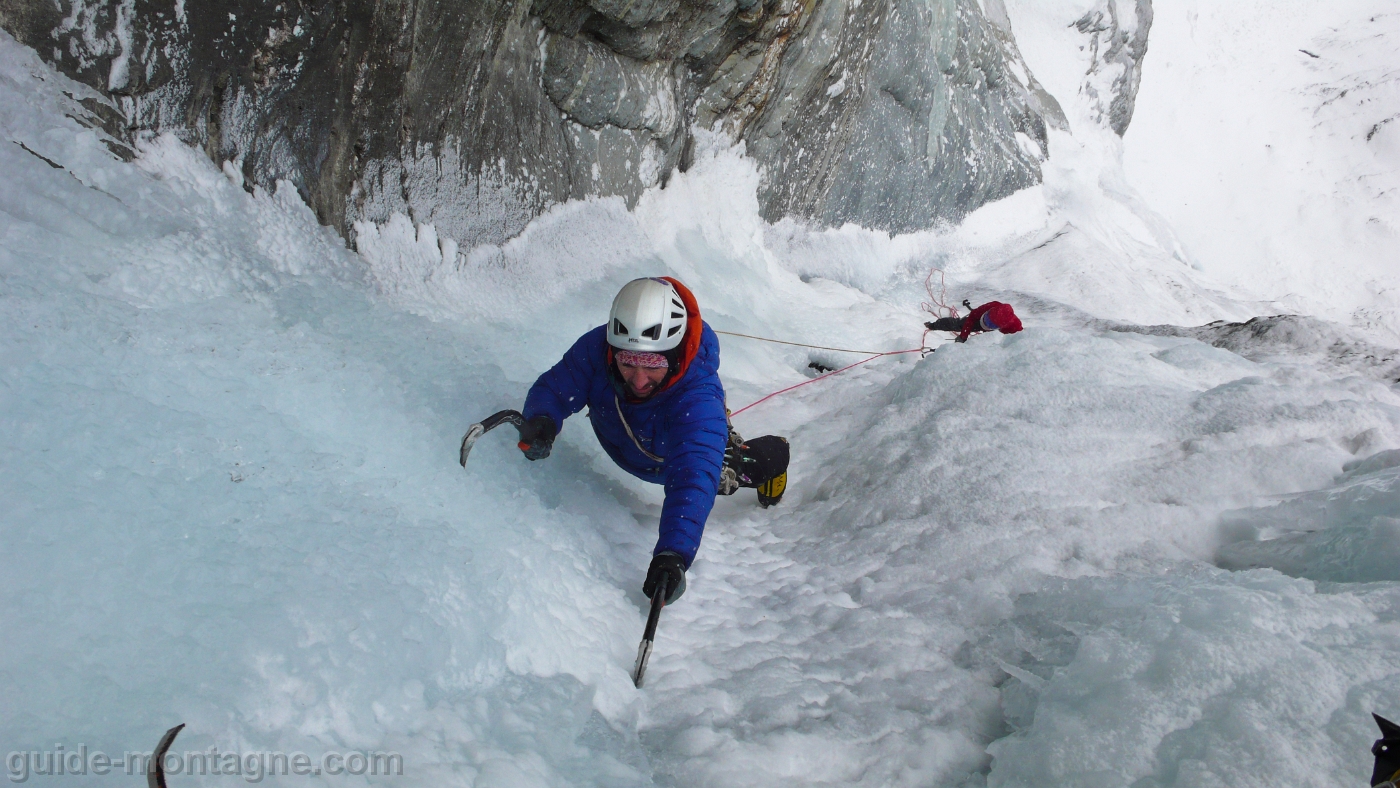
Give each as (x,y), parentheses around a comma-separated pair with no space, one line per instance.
(1117,34)
(477,116)
(1089,53)
(1291,338)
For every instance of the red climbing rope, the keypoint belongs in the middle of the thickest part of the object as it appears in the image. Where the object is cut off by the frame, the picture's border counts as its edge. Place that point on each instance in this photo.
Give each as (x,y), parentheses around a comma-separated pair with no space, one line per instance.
(920,349)
(936,305)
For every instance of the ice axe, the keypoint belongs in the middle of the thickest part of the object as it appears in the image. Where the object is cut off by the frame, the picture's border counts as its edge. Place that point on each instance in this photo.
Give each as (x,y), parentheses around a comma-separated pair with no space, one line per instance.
(484,426)
(658,601)
(1387,752)
(155,771)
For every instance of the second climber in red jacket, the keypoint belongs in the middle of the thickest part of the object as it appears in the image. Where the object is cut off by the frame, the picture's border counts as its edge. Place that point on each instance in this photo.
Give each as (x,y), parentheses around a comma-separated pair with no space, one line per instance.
(991,316)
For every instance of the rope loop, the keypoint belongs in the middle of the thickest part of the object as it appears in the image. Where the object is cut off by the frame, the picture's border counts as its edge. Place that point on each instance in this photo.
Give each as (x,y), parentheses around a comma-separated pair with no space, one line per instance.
(937,305)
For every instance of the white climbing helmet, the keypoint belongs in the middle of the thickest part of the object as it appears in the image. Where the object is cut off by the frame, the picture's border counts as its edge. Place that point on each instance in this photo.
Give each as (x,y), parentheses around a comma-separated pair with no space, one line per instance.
(647,316)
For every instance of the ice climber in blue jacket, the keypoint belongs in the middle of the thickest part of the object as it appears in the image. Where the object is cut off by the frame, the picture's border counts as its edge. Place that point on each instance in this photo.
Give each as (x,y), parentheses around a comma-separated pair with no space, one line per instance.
(650,381)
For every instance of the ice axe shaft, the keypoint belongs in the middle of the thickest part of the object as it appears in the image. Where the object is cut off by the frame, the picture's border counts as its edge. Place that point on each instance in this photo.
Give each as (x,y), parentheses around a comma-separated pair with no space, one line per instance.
(658,601)
(484,426)
(155,774)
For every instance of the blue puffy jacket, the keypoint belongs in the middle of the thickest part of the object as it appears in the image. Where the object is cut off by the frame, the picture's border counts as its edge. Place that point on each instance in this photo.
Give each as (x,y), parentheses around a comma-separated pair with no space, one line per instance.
(684,424)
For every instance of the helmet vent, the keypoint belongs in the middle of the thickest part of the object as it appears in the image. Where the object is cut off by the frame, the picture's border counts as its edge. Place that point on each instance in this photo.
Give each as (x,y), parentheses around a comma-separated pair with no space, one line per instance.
(618,328)
(674,315)
(653,333)
(673,331)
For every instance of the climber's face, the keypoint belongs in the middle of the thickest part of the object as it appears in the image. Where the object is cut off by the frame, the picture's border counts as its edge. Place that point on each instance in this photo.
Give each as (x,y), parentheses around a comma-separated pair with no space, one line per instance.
(641,382)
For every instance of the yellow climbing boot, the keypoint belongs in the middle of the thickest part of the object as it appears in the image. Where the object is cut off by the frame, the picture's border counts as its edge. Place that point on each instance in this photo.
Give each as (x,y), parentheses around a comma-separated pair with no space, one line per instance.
(771,491)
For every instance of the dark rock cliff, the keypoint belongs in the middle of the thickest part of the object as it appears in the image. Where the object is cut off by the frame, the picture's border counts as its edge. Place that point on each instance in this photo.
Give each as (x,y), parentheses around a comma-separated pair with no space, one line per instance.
(477,115)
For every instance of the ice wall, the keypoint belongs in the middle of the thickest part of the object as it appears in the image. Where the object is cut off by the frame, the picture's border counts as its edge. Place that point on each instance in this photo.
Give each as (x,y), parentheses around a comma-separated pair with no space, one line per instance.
(229,461)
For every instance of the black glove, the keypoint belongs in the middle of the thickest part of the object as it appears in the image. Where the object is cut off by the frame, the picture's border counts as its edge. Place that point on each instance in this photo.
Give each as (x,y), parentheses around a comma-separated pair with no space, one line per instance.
(669,568)
(537,437)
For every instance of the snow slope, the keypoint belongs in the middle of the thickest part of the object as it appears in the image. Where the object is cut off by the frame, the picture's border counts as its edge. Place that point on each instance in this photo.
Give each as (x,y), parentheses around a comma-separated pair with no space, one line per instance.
(1263,150)
(229,455)
(1268,134)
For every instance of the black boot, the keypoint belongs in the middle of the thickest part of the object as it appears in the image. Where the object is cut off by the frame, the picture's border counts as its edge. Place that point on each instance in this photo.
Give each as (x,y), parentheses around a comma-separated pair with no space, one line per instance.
(954,324)
(761,464)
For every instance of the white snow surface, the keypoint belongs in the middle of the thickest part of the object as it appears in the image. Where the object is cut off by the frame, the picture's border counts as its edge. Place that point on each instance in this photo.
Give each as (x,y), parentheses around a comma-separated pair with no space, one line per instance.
(1080,555)
(1268,134)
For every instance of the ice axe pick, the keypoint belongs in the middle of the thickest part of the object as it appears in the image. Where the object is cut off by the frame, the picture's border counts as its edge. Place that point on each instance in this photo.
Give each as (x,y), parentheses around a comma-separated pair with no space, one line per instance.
(484,426)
